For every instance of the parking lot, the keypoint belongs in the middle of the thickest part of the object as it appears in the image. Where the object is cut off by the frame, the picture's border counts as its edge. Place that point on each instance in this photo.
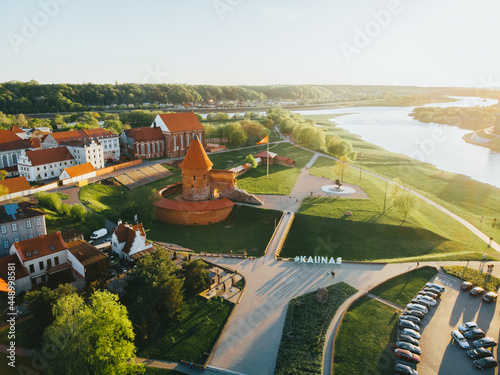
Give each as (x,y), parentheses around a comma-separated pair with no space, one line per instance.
(439,354)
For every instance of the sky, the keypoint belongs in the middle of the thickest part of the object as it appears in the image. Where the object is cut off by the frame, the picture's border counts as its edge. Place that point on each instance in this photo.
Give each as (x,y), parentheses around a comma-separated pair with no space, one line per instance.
(252,42)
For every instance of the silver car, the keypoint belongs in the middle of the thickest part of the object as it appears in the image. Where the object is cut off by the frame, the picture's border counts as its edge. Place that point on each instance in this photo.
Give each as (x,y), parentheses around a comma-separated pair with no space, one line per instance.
(415,306)
(460,339)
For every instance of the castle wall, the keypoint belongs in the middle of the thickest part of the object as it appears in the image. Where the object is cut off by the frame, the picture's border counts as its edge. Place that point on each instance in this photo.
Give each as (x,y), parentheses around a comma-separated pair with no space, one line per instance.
(192,217)
(196,184)
(222,180)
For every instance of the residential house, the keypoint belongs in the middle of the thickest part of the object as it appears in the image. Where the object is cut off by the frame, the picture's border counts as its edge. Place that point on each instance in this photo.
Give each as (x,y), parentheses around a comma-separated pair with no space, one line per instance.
(143,143)
(22,281)
(43,164)
(179,130)
(77,173)
(15,186)
(110,142)
(128,239)
(87,260)
(11,146)
(86,151)
(18,131)
(18,222)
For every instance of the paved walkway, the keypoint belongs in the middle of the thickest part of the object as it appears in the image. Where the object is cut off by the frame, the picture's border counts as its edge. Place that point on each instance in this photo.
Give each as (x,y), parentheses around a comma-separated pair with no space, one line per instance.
(279,235)
(385,302)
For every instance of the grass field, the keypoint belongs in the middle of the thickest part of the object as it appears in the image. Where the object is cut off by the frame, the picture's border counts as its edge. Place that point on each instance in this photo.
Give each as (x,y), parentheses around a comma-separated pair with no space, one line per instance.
(193,335)
(246,229)
(402,289)
(307,324)
(365,340)
(484,280)
(281,179)
(322,227)
(465,197)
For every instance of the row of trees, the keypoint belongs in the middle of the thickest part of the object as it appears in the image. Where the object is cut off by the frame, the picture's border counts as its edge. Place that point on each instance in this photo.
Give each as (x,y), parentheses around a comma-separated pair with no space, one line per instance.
(239,133)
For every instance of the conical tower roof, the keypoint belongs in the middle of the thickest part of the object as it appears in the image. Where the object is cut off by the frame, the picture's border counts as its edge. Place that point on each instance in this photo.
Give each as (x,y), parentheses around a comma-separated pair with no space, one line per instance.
(196,157)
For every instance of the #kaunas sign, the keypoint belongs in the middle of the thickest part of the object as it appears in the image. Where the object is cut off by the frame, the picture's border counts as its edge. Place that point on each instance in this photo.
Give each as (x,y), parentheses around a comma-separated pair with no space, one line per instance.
(318,260)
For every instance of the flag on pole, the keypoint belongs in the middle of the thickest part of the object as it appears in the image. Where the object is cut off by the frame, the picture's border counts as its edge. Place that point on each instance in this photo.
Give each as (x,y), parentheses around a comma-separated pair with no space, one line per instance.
(263,140)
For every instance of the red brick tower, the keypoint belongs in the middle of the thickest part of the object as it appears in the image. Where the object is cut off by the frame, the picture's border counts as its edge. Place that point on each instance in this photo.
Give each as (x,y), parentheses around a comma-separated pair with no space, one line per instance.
(196,173)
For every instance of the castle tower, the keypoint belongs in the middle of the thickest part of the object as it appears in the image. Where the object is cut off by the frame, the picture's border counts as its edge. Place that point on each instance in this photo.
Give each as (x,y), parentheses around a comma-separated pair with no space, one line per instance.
(196,168)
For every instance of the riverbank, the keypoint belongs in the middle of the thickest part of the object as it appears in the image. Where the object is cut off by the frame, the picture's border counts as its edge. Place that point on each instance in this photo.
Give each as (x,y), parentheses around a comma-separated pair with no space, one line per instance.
(484,138)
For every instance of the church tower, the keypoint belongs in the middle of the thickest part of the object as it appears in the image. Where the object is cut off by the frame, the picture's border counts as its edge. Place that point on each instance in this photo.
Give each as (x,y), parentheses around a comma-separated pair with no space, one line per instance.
(196,168)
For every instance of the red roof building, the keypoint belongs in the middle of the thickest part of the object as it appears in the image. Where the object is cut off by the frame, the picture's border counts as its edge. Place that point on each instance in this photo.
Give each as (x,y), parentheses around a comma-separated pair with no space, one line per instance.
(16,184)
(11,146)
(128,239)
(143,143)
(43,164)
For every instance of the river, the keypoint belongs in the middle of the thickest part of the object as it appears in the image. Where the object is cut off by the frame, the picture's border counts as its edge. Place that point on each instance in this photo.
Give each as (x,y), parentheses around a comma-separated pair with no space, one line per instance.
(440,145)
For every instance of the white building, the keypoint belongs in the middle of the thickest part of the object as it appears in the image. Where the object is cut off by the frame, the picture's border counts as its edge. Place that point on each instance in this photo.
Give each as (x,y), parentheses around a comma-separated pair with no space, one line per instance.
(11,146)
(86,151)
(110,142)
(77,173)
(128,240)
(43,164)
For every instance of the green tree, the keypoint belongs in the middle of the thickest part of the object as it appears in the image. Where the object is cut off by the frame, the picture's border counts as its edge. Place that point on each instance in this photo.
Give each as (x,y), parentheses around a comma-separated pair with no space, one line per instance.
(94,338)
(237,137)
(3,174)
(196,278)
(77,212)
(251,160)
(405,202)
(339,147)
(153,292)
(341,166)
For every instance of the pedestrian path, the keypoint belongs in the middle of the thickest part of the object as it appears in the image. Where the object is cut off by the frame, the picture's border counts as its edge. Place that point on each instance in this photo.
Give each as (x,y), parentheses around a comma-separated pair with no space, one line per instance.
(385,302)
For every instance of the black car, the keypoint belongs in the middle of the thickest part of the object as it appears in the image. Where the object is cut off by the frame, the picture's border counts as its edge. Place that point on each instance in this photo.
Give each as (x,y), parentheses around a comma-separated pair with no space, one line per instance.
(407,346)
(486,342)
(488,362)
(478,353)
(490,297)
(466,285)
(401,369)
(432,290)
(408,339)
(417,313)
(476,291)
(474,334)
(411,318)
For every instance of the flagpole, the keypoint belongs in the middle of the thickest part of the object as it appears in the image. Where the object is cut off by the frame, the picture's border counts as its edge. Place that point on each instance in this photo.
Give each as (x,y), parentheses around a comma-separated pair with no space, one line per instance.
(267,160)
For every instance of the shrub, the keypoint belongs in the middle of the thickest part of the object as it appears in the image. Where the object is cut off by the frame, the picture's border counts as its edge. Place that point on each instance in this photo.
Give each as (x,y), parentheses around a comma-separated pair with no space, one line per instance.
(52,201)
(65,209)
(484,280)
(77,212)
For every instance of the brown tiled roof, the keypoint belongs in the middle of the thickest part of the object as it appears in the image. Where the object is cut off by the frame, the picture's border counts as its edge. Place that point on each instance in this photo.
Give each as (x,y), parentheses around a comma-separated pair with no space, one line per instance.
(81,134)
(196,157)
(16,184)
(44,245)
(79,142)
(35,143)
(145,134)
(265,154)
(126,233)
(10,141)
(17,211)
(48,155)
(181,122)
(85,252)
(16,129)
(80,170)
(195,206)
(20,270)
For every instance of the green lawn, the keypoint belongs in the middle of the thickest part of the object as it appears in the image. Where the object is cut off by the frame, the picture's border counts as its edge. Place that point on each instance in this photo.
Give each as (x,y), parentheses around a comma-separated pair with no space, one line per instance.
(365,341)
(482,279)
(465,197)
(246,229)
(193,335)
(322,227)
(402,289)
(307,324)
(281,179)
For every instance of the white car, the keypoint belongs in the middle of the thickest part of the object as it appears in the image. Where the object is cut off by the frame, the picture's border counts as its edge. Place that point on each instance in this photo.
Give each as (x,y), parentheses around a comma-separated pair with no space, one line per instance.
(415,306)
(464,327)
(428,299)
(412,333)
(435,286)
(458,337)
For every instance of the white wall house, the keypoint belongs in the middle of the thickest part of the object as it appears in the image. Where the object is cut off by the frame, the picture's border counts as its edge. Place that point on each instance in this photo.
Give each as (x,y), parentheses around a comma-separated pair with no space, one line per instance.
(77,173)
(11,146)
(44,164)
(128,239)
(86,151)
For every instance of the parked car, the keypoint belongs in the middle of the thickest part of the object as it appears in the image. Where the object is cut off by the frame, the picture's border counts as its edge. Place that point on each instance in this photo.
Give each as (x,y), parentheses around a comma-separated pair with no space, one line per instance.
(476,291)
(466,326)
(412,333)
(436,286)
(490,297)
(406,355)
(411,318)
(488,362)
(428,294)
(408,339)
(427,299)
(421,302)
(486,342)
(410,347)
(474,334)
(478,353)
(417,306)
(460,339)
(401,369)
(466,285)
(419,314)
(408,324)
(433,290)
